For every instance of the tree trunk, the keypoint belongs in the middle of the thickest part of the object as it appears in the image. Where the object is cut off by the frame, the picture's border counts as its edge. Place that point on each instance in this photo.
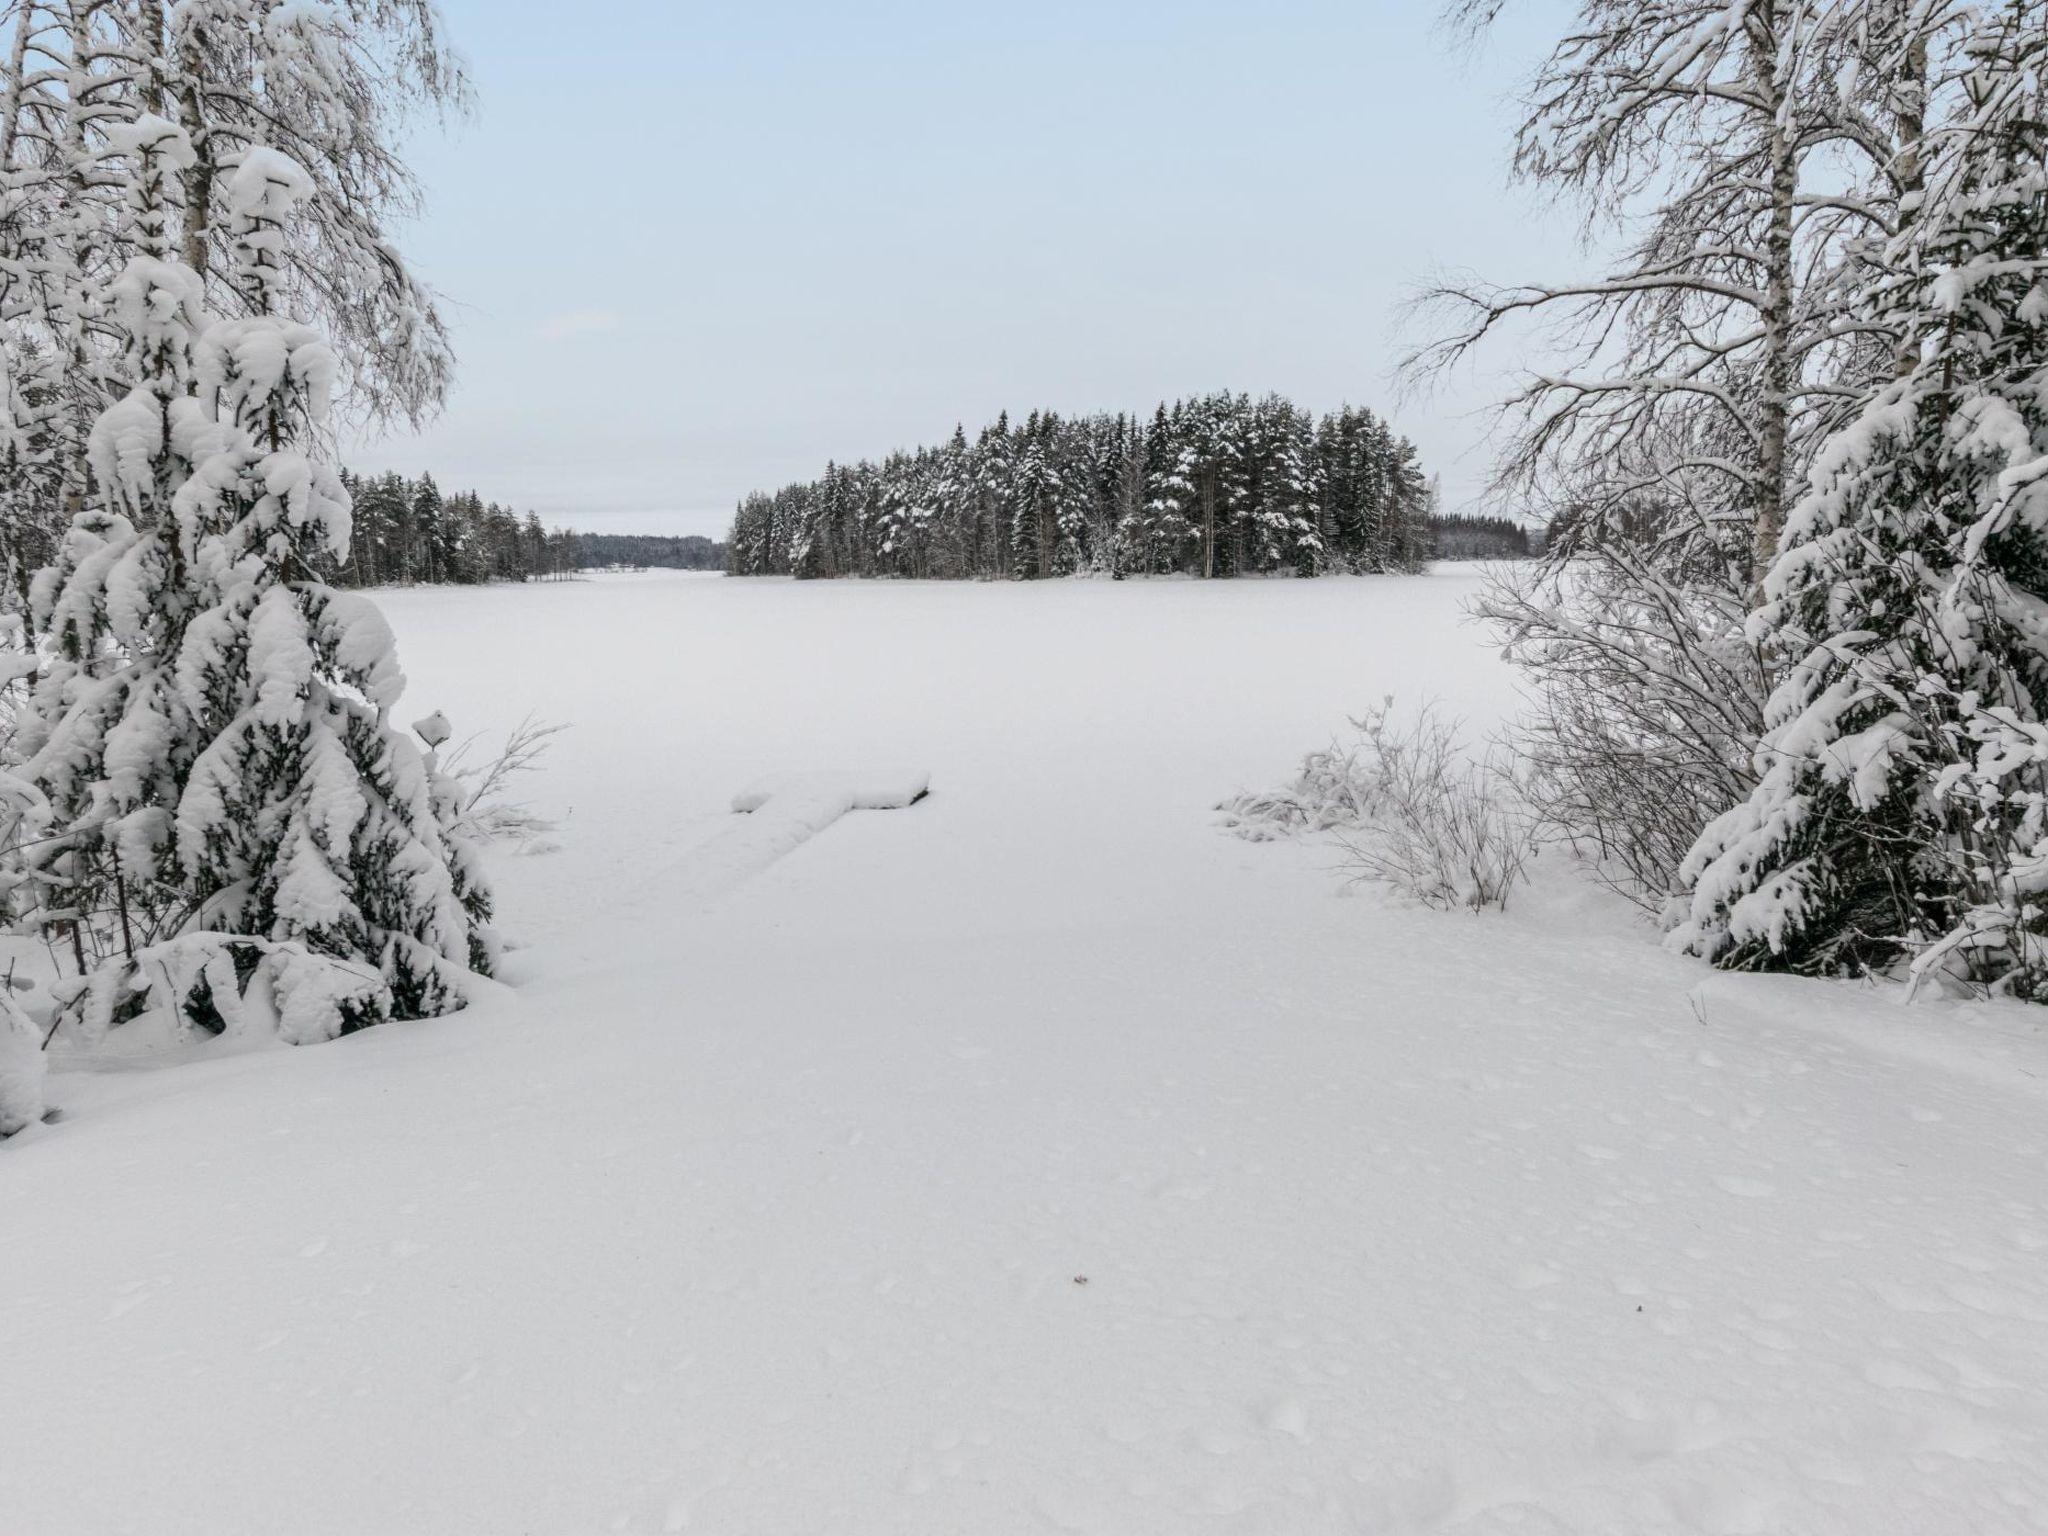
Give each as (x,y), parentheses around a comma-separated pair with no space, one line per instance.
(198,181)
(17,72)
(1910,166)
(1775,403)
(1208,523)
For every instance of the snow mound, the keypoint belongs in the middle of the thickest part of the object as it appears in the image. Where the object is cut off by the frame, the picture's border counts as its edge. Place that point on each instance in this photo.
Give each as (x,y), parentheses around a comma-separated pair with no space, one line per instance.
(868,789)
(783,811)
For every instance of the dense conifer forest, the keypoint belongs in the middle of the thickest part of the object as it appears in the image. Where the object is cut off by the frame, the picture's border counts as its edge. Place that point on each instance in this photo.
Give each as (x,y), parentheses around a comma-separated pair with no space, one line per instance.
(1465,537)
(1220,485)
(408,532)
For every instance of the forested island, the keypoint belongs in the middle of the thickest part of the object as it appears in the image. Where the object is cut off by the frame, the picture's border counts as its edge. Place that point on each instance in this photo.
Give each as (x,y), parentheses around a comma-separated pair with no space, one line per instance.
(1219,485)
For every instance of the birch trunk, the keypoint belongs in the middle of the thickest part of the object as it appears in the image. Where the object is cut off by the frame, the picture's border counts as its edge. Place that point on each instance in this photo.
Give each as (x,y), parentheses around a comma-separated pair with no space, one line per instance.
(1774,404)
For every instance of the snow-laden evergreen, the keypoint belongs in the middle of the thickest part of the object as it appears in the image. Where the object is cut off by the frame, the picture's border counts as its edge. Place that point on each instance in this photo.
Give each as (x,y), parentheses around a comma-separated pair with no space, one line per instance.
(107,738)
(1902,807)
(240,838)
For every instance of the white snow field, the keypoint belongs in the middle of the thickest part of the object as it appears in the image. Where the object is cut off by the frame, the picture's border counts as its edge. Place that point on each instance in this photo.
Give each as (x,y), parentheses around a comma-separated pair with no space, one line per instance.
(1034,1158)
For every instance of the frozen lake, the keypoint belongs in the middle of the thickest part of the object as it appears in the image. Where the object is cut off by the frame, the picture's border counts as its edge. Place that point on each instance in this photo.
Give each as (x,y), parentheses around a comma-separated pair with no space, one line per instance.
(1037,1158)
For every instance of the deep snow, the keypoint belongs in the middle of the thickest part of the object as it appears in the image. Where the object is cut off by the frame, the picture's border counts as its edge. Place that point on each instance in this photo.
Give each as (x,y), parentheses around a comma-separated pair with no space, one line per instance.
(1034,1158)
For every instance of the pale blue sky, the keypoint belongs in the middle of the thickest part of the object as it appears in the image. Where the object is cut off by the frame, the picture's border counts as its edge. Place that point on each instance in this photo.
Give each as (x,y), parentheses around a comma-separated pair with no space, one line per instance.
(697,247)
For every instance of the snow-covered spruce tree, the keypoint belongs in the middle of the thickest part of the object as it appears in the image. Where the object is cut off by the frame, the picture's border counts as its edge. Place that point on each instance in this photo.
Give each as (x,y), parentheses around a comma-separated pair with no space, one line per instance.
(107,738)
(313,835)
(1902,805)
(995,470)
(1286,505)
(1039,492)
(953,507)
(217,717)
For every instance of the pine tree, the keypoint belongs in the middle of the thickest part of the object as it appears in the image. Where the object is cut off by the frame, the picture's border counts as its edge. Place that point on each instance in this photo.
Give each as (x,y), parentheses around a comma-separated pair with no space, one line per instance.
(1902,808)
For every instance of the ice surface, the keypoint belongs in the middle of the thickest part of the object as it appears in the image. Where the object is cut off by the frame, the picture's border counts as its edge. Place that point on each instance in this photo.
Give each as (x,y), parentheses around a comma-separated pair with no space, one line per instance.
(768,1210)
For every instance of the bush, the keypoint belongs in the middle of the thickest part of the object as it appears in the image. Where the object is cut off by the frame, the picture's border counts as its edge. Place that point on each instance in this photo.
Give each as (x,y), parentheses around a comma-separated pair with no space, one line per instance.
(1412,808)
(1647,701)
(1332,790)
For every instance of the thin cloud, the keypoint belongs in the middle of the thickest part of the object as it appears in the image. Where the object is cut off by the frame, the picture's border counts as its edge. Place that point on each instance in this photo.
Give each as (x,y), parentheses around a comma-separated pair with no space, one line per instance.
(580,322)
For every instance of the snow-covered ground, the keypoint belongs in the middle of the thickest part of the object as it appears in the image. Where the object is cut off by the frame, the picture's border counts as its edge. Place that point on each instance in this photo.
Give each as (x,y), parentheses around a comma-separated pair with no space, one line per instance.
(1036,1158)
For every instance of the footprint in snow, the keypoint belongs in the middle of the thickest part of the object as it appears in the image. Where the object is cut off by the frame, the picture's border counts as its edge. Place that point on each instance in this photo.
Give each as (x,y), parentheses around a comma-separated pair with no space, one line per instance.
(1747,1189)
(1287,1417)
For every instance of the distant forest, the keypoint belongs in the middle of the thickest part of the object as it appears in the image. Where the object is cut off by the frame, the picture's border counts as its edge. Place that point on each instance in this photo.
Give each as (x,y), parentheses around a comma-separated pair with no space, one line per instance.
(1460,537)
(691,552)
(407,533)
(1222,485)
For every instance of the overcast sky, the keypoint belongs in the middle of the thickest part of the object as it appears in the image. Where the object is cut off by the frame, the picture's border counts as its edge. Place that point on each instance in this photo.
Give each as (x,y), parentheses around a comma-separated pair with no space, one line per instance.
(698,248)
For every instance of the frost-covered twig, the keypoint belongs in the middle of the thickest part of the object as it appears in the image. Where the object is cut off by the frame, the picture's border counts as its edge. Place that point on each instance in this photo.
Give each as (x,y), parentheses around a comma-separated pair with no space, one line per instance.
(488,812)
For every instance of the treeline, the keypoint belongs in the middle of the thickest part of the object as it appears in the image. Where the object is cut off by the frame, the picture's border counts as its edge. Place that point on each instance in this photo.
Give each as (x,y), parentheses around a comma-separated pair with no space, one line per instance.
(1222,485)
(689,552)
(1462,537)
(407,532)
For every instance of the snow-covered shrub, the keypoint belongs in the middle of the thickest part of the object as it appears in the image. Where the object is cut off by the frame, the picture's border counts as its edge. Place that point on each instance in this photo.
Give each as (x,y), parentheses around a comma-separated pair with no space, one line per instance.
(18,664)
(1446,828)
(21,1044)
(1333,789)
(21,1069)
(22,815)
(1411,806)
